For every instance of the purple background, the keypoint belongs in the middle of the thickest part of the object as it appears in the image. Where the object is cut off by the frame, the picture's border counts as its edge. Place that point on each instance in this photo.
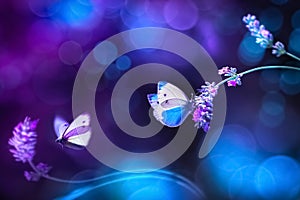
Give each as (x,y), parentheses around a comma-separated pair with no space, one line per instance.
(44,42)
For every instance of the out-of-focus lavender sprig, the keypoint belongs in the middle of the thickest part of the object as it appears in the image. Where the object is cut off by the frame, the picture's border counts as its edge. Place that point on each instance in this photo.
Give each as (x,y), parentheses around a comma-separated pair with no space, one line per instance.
(263,36)
(278,49)
(23,148)
(235,78)
(42,170)
(24,140)
(203,113)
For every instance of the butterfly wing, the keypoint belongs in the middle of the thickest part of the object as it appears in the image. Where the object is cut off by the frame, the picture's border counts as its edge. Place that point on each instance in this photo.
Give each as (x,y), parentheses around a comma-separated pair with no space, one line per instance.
(79,136)
(60,126)
(157,108)
(153,100)
(171,103)
(166,91)
(175,116)
(79,131)
(81,120)
(171,106)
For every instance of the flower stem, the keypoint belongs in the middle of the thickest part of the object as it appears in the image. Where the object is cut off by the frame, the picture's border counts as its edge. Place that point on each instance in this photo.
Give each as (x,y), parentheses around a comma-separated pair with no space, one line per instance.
(293,56)
(68,181)
(258,69)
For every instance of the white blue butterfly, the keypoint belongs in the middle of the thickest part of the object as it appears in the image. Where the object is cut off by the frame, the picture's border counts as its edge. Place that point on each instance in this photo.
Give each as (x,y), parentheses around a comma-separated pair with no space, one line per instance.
(171,106)
(75,135)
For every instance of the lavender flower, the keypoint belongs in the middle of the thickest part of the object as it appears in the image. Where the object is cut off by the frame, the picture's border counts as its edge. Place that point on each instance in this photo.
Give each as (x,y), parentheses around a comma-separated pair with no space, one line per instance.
(228,71)
(209,90)
(263,37)
(42,170)
(278,49)
(24,140)
(23,143)
(32,176)
(234,82)
(203,113)
(235,78)
(224,70)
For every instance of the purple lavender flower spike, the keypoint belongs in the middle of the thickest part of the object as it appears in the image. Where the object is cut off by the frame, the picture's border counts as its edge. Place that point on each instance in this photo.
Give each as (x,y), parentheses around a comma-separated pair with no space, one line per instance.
(42,170)
(23,148)
(234,83)
(235,78)
(231,72)
(204,106)
(24,140)
(278,49)
(32,176)
(224,70)
(263,37)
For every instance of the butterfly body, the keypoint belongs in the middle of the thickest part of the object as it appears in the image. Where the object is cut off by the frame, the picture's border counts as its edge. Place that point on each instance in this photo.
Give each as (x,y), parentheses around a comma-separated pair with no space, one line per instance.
(171,106)
(76,135)
(64,142)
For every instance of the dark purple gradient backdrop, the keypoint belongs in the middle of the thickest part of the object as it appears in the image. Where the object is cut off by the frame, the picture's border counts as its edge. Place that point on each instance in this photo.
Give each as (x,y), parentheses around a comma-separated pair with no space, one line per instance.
(43,44)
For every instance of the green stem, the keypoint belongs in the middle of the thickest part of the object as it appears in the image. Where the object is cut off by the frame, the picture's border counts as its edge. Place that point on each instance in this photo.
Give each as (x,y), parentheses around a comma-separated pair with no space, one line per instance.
(257,69)
(293,56)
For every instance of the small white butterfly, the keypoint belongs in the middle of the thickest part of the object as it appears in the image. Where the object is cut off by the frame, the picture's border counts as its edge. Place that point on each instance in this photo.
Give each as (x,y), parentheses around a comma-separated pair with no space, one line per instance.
(171,106)
(75,135)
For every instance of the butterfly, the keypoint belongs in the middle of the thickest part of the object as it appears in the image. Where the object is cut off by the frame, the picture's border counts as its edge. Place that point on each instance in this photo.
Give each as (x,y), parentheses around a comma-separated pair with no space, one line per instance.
(171,106)
(75,135)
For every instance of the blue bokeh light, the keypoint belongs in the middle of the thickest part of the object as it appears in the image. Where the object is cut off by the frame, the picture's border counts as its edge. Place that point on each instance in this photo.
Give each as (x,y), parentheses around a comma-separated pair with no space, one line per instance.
(76,12)
(132,21)
(43,8)
(250,53)
(105,52)
(272,18)
(278,177)
(112,73)
(235,150)
(294,41)
(221,22)
(269,80)
(273,103)
(151,193)
(235,140)
(296,19)
(181,16)
(146,39)
(242,184)
(155,11)
(271,120)
(136,7)
(156,185)
(123,63)
(272,112)
(147,189)
(290,82)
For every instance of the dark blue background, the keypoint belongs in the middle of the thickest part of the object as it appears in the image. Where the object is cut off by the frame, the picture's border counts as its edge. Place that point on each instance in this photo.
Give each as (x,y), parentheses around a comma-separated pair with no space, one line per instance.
(43,45)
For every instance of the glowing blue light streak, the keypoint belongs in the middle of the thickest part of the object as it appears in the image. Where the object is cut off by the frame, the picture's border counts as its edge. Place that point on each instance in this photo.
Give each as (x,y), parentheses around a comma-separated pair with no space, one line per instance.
(115,178)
